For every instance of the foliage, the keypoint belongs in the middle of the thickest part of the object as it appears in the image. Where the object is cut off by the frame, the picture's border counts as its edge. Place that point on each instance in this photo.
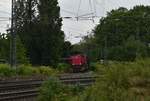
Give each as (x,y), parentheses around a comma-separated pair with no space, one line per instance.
(4,47)
(120,82)
(47,71)
(93,66)
(5,70)
(40,32)
(21,52)
(5,50)
(122,35)
(53,90)
(67,49)
(64,67)
(26,70)
(88,47)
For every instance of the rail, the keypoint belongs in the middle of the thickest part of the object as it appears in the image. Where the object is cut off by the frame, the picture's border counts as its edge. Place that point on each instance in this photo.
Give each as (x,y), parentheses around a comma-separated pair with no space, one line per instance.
(18,90)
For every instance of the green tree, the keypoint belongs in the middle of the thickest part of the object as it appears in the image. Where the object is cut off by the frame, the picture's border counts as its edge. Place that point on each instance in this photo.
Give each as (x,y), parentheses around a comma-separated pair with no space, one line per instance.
(89,47)
(67,49)
(5,49)
(123,33)
(21,52)
(52,38)
(39,24)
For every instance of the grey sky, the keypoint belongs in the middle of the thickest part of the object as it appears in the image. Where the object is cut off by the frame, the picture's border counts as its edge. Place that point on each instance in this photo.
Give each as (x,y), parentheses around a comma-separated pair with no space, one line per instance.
(5,8)
(70,8)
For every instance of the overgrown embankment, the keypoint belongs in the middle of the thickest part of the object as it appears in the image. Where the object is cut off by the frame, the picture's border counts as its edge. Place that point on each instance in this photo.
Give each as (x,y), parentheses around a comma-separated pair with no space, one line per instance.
(126,81)
(120,82)
(26,70)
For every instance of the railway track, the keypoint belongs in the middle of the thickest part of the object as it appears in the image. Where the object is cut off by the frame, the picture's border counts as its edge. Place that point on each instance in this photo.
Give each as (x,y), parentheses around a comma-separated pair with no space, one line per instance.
(27,90)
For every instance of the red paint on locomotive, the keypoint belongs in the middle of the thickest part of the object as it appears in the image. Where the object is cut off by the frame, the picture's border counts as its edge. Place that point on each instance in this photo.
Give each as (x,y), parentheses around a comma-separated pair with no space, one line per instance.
(79,62)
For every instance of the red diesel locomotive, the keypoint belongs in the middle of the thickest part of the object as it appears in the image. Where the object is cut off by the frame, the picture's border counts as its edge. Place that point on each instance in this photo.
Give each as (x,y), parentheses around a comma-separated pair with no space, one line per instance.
(78,62)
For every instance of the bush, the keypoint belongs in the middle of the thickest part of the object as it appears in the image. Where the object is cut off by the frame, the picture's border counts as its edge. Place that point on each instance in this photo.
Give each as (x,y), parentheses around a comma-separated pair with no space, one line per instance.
(53,90)
(47,71)
(94,66)
(5,70)
(26,70)
(63,67)
(121,82)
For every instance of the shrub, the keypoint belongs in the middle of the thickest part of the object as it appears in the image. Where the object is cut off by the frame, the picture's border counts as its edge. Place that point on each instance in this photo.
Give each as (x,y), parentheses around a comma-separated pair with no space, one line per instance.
(47,71)
(95,66)
(121,82)
(63,67)
(26,70)
(53,90)
(5,70)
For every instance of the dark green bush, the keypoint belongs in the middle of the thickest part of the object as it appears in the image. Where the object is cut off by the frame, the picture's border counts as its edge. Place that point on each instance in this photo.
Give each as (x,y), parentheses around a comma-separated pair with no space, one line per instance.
(26,70)
(53,90)
(6,71)
(64,67)
(47,71)
(120,82)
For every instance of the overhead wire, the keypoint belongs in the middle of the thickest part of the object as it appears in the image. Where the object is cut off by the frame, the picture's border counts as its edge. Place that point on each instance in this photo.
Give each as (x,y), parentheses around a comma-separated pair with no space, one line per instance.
(78,9)
(94,5)
(90,4)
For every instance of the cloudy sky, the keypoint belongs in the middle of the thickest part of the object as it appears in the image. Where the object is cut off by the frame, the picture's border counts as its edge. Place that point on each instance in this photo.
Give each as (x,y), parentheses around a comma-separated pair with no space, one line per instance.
(75,29)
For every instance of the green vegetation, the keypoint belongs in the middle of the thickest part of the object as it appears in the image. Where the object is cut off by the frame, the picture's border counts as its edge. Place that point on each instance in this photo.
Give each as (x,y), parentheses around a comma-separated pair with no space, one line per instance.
(40,32)
(5,50)
(26,70)
(5,70)
(53,90)
(122,35)
(64,67)
(120,82)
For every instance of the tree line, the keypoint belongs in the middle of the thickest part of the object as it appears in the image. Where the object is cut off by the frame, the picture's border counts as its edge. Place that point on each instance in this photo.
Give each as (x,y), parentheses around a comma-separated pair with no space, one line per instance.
(123,35)
(39,35)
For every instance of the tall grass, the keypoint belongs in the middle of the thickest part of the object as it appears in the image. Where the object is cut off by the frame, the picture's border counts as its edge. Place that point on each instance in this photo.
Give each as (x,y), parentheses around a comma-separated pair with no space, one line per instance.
(26,70)
(53,90)
(5,70)
(121,82)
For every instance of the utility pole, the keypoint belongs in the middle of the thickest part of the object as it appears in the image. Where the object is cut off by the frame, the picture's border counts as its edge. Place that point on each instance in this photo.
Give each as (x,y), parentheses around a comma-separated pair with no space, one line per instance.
(105,51)
(137,37)
(13,37)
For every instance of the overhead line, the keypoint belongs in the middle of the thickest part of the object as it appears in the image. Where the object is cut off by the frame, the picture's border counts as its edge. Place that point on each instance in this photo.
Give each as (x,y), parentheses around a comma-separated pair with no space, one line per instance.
(94,4)
(90,4)
(79,7)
